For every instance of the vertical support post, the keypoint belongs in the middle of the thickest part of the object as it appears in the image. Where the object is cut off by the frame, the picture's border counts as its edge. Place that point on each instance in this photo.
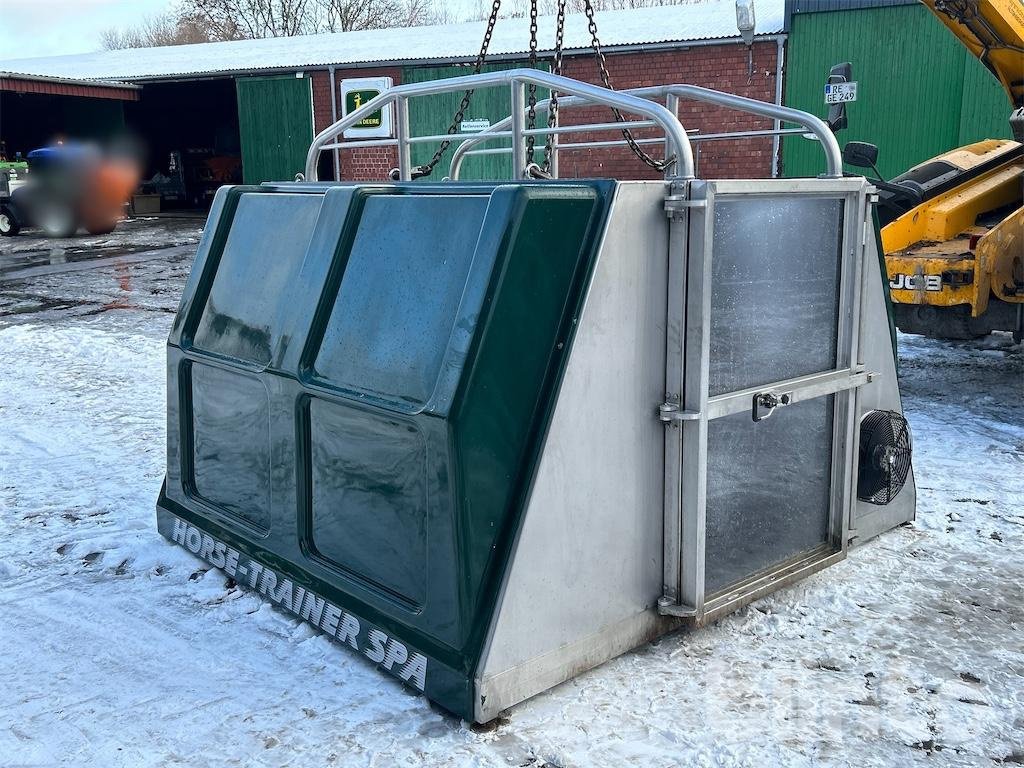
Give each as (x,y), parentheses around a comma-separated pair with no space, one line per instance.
(857,217)
(675,327)
(672,105)
(518,126)
(402,134)
(334,118)
(696,375)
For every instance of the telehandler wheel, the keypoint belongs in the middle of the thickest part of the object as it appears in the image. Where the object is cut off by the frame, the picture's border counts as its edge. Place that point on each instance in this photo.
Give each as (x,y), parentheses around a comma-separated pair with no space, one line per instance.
(9,225)
(947,323)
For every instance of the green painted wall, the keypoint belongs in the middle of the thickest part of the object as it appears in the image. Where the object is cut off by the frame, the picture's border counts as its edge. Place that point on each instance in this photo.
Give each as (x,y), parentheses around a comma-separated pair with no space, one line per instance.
(920,92)
(275,120)
(431,115)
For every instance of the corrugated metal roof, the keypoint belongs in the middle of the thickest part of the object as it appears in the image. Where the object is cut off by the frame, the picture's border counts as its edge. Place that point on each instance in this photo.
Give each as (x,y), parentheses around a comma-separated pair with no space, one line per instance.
(25,76)
(692,21)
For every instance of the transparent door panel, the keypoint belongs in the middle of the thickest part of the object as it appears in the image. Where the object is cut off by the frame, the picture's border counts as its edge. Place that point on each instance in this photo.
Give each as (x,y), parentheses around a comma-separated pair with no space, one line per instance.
(771,335)
(768,489)
(774,307)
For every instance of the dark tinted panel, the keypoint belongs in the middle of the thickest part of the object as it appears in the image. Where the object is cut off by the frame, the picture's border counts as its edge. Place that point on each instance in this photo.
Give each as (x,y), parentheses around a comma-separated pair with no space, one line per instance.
(262,256)
(397,310)
(774,307)
(769,489)
(231,443)
(369,497)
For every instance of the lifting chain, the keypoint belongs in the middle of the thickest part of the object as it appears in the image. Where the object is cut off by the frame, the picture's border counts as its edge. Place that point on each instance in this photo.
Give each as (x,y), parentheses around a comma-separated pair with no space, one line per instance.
(531,112)
(602,65)
(533,168)
(426,170)
(553,96)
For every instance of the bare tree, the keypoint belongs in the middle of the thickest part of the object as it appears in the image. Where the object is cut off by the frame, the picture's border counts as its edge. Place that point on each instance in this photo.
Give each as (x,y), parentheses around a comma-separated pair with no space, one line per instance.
(163,29)
(200,21)
(521,8)
(241,19)
(348,15)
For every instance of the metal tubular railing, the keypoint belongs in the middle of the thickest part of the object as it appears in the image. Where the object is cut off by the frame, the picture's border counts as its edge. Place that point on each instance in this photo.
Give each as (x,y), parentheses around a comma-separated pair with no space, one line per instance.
(517,80)
(672,94)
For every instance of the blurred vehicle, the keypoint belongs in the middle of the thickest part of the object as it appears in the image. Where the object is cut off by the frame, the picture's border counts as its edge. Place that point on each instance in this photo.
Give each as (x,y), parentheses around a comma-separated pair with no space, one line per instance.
(69,186)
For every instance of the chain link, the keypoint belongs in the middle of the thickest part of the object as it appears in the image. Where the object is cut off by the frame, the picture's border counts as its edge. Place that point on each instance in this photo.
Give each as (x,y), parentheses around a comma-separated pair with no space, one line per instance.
(602,65)
(426,170)
(556,67)
(531,112)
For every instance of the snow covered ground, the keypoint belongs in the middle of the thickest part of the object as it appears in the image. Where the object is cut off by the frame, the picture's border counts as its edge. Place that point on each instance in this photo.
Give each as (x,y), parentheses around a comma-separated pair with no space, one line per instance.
(118,649)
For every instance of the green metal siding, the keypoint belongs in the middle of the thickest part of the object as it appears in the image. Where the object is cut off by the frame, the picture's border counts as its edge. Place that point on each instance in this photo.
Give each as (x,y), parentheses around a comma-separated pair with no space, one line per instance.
(920,92)
(275,120)
(985,109)
(431,115)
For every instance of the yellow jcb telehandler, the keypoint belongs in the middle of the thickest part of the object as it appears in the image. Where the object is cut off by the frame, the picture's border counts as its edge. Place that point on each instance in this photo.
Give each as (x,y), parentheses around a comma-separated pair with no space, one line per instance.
(953,226)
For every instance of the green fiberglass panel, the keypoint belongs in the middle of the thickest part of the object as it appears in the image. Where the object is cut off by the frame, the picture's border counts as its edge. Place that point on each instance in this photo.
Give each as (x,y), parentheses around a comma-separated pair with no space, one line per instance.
(365,424)
(400,304)
(230,452)
(253,276)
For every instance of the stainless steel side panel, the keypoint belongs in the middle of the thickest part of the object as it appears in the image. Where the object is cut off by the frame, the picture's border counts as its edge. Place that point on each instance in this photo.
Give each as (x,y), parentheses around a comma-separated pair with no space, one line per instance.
(869,520)
(587,568)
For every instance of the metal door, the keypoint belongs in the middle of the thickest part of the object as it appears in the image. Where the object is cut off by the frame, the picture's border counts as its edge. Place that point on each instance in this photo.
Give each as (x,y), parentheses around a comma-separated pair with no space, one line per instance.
(760,460)
(275,119)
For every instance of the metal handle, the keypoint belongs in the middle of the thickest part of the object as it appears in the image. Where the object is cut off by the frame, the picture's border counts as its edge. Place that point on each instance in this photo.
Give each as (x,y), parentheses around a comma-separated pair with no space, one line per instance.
(765,403)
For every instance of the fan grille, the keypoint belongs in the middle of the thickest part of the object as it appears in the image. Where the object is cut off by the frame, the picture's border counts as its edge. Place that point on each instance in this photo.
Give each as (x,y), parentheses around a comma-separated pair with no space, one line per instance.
(885,456)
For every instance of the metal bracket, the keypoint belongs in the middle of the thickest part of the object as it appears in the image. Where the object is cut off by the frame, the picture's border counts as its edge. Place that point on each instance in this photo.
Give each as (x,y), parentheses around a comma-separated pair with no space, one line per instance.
(669,413)
(675,205)
(669,607)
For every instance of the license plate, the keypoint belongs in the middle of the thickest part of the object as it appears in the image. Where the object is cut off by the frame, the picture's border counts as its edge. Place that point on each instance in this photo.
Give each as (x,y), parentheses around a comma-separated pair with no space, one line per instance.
(840,93)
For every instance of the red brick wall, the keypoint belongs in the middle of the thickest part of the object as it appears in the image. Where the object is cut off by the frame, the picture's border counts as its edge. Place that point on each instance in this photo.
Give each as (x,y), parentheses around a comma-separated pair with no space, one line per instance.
(369,163)
(722,67)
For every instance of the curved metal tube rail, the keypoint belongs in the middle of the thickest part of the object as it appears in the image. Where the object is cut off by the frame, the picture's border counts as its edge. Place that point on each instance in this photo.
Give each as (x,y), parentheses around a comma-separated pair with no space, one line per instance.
(517,79)
(829,145)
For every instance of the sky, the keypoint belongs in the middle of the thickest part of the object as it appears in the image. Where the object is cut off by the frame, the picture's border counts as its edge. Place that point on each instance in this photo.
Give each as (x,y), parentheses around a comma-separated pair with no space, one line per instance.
(31,28)
(52,27)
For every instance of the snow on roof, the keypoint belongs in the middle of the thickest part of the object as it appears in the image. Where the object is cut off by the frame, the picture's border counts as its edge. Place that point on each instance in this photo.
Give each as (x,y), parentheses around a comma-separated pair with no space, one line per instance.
(693,20)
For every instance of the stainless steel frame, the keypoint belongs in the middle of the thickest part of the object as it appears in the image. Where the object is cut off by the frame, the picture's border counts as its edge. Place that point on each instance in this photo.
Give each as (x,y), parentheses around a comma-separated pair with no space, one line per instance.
(688,408)
(516,80)
(572,93)
(672,94)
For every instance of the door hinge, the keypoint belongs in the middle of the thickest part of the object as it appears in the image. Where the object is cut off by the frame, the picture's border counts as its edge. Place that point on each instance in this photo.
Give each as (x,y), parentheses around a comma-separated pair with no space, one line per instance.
(670,413)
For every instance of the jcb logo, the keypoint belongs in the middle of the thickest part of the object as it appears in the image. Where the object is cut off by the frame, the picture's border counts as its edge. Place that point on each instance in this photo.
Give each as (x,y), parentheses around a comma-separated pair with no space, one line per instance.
(902,282)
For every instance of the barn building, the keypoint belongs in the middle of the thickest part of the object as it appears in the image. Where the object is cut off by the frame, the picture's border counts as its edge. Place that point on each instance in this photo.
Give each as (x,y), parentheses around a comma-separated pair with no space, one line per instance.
(247,110)
(261,101)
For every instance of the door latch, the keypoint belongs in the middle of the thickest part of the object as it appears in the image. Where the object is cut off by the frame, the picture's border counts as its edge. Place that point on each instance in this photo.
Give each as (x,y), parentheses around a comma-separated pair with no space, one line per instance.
(765,403)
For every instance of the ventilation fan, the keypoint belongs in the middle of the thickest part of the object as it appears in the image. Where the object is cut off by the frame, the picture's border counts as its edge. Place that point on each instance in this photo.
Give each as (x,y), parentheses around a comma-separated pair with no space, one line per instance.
(884,456)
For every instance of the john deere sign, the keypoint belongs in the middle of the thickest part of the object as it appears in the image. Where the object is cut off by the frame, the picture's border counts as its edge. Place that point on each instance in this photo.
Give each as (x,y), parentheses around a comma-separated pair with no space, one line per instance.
(357,91)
